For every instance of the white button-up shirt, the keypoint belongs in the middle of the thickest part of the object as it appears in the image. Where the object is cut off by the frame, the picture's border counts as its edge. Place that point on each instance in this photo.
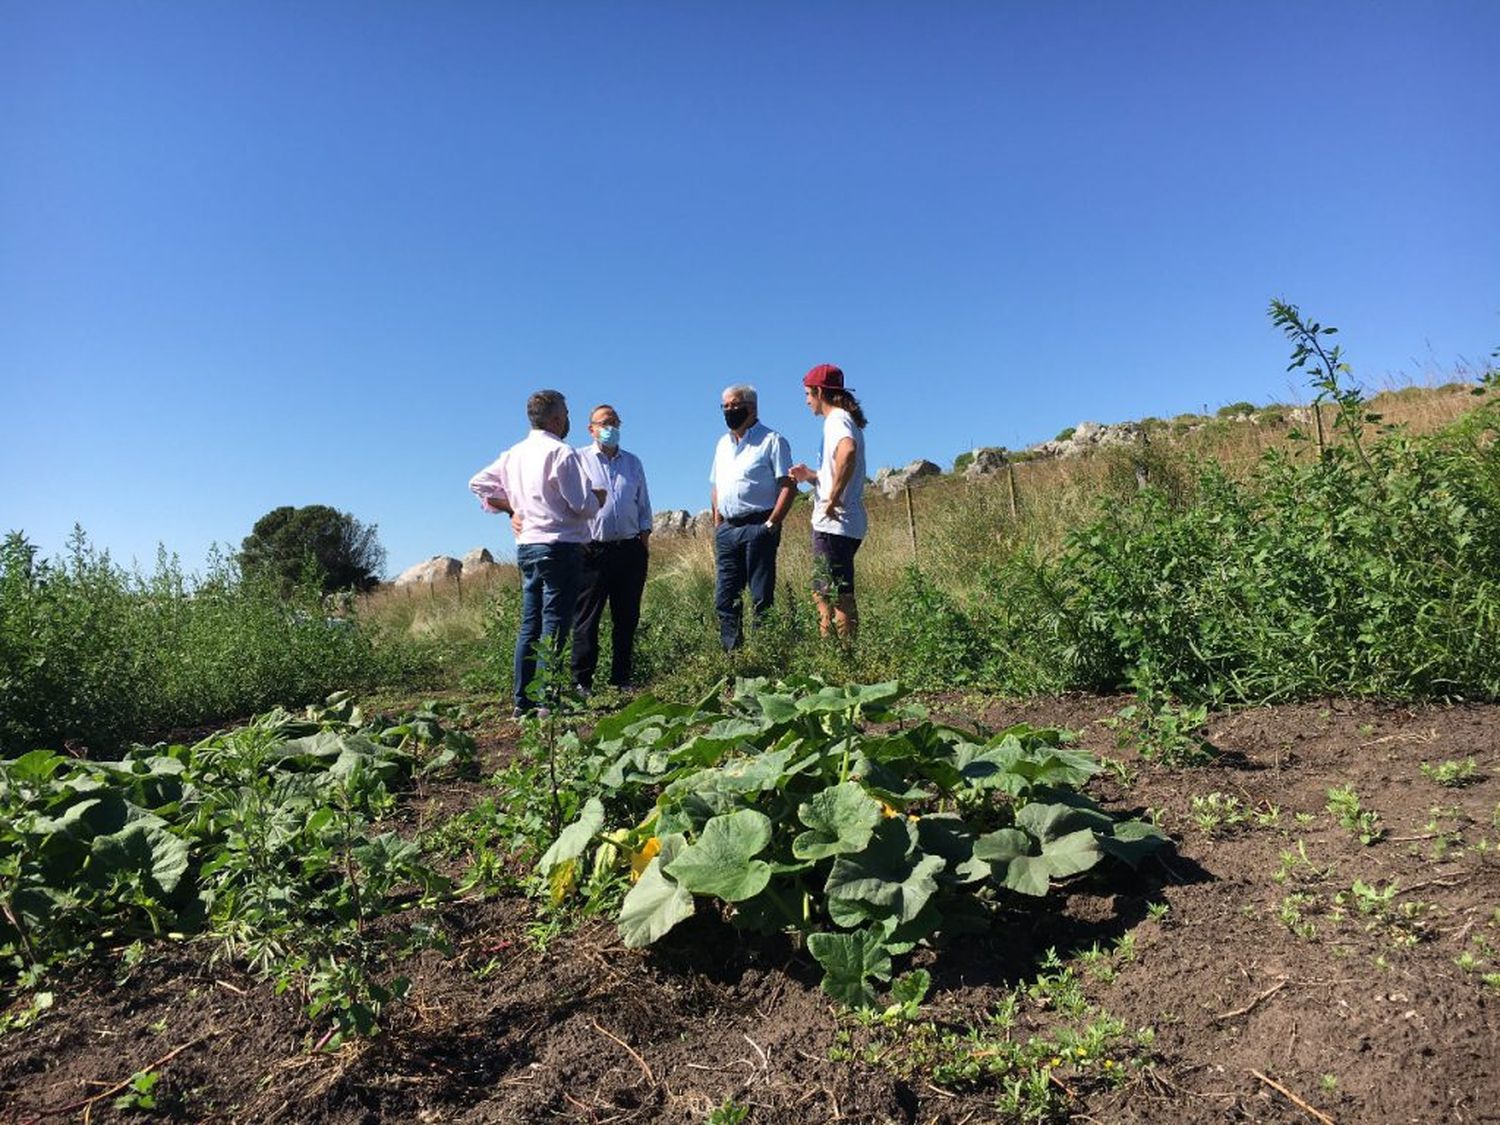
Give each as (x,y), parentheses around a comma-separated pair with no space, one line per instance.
(747,471)
(627,504)
(544,481)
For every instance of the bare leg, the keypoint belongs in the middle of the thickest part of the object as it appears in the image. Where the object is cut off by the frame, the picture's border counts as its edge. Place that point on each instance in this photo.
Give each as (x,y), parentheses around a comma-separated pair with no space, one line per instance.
(825,614)
(845,617)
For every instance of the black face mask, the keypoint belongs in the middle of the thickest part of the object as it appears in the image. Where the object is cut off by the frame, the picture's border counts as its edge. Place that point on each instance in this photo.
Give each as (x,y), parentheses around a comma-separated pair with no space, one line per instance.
(734,416)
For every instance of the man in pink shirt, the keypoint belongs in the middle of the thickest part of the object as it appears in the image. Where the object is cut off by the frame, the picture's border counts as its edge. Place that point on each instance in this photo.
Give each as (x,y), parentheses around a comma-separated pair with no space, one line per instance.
(543,484)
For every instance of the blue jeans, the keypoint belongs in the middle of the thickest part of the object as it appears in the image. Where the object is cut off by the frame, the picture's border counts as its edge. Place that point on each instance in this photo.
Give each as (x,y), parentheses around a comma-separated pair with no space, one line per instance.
(746,556)
(550,574)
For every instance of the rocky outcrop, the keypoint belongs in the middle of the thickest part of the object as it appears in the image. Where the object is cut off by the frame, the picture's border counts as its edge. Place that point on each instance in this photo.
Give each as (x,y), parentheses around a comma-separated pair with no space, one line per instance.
(892,481)
(439,568)
(1089,436)
(477,561)
(985,462)
(679,523)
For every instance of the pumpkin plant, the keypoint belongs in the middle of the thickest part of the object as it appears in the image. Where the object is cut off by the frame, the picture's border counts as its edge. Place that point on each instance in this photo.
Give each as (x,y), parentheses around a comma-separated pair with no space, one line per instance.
(832,811)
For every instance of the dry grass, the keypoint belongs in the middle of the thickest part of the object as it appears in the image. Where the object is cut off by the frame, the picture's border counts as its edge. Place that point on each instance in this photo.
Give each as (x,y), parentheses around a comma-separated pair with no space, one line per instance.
(450,612)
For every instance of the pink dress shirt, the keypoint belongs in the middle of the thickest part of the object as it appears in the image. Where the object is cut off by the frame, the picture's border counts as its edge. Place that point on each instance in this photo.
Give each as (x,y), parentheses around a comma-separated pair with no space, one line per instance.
(546,485)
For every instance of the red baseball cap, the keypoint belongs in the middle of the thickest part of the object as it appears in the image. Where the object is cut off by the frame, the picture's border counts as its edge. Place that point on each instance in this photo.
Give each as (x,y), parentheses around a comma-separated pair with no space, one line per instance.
(827,377)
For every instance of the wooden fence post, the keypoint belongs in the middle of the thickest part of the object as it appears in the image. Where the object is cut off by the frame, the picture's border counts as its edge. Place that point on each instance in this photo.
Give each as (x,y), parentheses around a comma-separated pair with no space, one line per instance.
(1010,480)
(911,525)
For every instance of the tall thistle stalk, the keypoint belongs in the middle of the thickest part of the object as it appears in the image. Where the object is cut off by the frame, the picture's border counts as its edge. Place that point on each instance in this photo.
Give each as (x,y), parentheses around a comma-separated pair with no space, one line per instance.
(1327,374)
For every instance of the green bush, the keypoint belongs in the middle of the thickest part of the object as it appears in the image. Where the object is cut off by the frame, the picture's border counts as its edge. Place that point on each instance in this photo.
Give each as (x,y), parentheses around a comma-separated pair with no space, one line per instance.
(1363,573)
(91,655)
(1236,410)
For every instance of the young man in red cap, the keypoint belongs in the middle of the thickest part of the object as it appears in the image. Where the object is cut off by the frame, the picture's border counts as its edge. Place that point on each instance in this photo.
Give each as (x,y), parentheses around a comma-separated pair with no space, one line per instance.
(838,517)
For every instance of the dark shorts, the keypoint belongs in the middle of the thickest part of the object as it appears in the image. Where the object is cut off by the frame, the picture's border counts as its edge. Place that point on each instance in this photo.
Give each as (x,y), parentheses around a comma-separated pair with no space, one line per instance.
(833,563)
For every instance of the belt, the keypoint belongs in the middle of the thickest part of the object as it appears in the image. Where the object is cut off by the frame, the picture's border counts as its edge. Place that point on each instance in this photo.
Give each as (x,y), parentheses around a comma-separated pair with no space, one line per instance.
(615,542)
(748,518)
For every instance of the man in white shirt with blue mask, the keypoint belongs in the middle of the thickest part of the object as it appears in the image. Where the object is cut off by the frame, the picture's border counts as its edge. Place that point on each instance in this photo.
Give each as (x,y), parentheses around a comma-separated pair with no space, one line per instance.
(751,490)
(615,560)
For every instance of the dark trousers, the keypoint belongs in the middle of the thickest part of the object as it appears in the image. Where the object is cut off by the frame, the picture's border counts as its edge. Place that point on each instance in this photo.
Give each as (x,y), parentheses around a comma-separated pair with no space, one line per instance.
(746,557)
(549,591)
(614,573)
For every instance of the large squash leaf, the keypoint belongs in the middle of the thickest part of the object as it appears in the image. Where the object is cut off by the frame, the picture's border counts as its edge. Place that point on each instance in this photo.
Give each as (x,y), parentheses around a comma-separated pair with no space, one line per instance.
(721,862)
(841,819)
(848,961)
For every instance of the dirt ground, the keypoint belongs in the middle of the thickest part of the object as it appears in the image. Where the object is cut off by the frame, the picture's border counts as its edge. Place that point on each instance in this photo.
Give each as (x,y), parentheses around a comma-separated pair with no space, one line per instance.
(1272,988)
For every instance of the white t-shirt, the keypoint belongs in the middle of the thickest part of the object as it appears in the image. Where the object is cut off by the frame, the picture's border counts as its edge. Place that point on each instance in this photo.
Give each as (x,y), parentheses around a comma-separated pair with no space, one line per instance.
(851,520)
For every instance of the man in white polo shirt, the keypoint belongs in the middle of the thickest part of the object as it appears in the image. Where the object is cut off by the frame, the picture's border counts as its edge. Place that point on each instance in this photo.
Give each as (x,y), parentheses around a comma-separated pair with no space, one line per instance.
(751,491)
(542,482)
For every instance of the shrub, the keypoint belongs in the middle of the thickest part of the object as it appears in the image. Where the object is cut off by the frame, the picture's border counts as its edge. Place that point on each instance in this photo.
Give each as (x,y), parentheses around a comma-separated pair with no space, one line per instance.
(91,654)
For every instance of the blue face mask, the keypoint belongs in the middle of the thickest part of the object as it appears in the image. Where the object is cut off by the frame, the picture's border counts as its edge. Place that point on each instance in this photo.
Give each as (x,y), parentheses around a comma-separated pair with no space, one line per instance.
(609,435)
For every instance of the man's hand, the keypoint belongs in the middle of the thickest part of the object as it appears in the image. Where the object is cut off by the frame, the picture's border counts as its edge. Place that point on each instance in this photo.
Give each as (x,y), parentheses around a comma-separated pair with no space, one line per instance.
(599,495)
(833,508)
(803,474)
(515,522)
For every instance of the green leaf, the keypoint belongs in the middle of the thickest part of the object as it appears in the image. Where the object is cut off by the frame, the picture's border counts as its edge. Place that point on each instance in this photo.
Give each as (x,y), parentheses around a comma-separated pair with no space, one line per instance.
(1013,856)
(75,821)
(889,872)
(848,961)
(1133,840)
(656,903)
(911,988)
(735,777)
(945,834)
(721,862)
(1049,822)
(848,913)
(841,817)
(33,768)
(1000,847)
(573,839)
(777,708)
(147,846)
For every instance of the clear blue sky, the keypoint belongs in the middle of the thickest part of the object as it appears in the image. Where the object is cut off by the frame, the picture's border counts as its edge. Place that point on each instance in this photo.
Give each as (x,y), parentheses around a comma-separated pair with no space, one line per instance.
(265,253)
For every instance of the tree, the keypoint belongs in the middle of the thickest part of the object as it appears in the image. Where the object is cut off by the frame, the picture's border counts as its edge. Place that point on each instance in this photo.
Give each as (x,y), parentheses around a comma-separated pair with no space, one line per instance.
(286,541)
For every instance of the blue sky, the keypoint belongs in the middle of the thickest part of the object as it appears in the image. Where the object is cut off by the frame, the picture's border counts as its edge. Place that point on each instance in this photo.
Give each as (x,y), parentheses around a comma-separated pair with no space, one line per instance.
(255,254)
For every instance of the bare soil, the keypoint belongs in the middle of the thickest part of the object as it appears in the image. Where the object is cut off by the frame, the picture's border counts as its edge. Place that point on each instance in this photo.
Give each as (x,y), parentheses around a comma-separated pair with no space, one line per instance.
(1272,996)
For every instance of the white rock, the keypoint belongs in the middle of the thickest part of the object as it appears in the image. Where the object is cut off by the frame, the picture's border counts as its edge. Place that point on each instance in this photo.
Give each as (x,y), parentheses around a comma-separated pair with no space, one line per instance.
(438,568)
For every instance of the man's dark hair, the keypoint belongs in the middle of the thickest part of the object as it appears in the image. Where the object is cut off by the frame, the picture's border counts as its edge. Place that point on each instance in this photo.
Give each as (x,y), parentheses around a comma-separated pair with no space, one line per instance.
(542,406)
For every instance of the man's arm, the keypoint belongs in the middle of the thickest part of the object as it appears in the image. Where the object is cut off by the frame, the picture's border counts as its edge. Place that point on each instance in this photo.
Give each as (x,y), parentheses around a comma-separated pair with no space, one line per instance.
(643,504)
(783,500)
(781,465)
(489,485)
(713,503)
(575,487)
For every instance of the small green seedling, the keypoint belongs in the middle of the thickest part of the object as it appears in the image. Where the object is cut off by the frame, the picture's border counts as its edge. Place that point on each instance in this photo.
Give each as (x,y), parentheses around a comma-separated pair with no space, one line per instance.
(1343,803)
(1452,774)
(139,1095)
(727,1112)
